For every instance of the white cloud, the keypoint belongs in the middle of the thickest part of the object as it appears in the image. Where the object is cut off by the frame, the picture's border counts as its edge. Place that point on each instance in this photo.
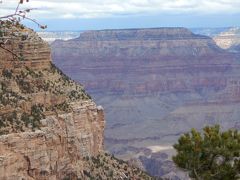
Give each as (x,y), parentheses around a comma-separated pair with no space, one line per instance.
(108,8)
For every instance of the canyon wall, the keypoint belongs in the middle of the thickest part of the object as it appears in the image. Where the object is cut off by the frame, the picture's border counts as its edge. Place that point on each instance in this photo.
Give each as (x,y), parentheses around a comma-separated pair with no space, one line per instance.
(155,84)
(57,148)
(149,54)
(48,123)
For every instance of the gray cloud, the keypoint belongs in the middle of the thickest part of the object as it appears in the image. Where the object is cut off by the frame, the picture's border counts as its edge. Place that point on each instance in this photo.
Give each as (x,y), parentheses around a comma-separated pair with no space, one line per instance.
(109,8)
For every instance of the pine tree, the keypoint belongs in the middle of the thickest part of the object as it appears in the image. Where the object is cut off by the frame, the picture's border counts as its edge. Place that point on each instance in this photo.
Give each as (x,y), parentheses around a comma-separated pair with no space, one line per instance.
(209,155)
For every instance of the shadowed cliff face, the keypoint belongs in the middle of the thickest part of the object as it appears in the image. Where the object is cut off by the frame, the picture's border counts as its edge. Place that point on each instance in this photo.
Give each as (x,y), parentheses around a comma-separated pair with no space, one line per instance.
(155,84)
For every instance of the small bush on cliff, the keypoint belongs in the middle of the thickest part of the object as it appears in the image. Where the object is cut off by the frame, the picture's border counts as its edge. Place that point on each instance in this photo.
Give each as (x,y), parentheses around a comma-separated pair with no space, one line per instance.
(34,118)
(209,155)
(7,73)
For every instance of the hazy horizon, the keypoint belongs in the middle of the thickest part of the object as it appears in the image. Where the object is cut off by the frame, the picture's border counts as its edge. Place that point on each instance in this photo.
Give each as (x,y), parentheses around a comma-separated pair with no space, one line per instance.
(193,28)
(80,15)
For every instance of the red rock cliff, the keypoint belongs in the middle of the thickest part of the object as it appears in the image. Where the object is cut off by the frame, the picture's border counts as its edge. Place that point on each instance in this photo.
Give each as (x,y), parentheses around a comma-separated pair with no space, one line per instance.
(47,122)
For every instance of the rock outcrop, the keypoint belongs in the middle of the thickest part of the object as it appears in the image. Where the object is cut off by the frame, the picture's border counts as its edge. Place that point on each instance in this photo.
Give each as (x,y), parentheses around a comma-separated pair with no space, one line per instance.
(57,148)
(48,123)
(32,51)
(50,127)
(229,39)
(155,84)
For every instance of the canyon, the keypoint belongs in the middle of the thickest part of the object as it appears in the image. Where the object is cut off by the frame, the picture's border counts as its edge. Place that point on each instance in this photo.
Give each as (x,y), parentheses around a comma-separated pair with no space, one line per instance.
(50,128)
(155,84)
(229,39)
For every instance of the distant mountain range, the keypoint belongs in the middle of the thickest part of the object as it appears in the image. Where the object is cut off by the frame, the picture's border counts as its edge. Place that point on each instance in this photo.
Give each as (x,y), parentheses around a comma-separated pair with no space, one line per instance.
(229,39)
(154,84)
(50,36)
(212,32)
(225,37)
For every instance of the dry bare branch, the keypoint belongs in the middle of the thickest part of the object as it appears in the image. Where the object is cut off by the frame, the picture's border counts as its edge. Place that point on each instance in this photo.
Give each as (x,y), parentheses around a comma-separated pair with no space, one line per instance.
(16,18)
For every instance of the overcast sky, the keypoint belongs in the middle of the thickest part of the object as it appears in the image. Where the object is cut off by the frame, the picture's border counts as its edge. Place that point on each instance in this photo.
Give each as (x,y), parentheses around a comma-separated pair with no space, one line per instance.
(105,14)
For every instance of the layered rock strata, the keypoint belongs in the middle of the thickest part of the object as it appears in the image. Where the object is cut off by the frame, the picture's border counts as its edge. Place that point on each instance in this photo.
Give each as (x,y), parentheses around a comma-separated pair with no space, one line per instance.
(50,128)
(57,148)
(48,123)
(155,84)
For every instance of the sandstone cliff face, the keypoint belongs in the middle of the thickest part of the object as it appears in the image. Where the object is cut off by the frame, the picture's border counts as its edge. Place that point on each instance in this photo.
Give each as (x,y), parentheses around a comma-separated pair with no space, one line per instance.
(31,87)
(32,51)
(48,123)
(155,84)
(57,148)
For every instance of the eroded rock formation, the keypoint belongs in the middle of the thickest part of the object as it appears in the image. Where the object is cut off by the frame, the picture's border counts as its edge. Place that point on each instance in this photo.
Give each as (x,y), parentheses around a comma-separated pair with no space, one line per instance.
(48,123)
(155,84)
(57,148)
(229,39)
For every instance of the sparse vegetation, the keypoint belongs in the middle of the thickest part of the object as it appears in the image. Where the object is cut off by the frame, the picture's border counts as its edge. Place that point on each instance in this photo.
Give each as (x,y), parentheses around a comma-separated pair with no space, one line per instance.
(20,87)
(105,166)
(7,73)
